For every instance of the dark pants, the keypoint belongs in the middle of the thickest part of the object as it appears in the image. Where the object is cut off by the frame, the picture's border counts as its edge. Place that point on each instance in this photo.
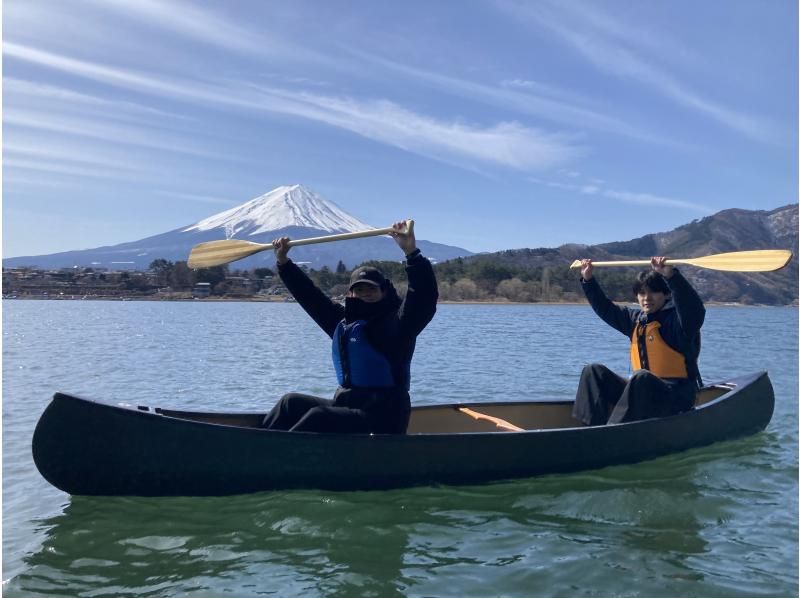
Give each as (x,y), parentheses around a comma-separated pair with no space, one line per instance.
(604,397)
(352,411)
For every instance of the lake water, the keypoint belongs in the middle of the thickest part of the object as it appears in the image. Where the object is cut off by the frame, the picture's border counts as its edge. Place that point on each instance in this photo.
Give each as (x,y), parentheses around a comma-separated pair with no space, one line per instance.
(718,521)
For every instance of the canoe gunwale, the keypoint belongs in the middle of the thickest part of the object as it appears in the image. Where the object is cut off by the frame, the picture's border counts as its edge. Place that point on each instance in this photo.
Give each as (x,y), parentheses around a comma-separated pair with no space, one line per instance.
(89,447)
(196,417)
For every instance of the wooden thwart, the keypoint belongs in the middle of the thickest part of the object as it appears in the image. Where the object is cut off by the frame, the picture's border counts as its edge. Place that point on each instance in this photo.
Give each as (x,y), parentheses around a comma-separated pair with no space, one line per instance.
(500,423)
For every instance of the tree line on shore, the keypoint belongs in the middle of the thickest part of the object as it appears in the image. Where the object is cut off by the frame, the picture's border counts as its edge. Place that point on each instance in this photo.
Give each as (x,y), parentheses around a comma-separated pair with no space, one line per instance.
(464,280)
(458,280)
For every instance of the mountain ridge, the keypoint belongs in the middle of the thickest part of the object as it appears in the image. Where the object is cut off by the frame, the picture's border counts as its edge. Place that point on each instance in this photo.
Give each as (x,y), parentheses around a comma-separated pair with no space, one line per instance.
(282,208)
(734,229)
(290,210)
(293,207)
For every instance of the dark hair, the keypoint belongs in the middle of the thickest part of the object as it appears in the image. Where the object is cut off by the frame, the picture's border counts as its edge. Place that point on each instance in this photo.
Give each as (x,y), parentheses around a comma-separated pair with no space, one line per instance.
(651,280)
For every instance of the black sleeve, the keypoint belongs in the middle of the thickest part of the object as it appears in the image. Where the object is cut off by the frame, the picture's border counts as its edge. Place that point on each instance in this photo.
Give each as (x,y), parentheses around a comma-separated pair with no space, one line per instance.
(619,318)
(419,304)
(688,305)
(324,311)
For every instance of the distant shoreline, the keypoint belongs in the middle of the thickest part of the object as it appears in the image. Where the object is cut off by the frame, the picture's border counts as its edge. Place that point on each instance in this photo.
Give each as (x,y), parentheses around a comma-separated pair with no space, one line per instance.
(283,299)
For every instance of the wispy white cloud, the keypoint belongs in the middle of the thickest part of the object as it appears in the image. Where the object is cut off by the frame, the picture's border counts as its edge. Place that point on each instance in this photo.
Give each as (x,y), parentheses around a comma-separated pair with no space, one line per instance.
(198,198)
(508,144)
(111,133)
(24,179)
(112,76)
(522,96)
(15,164)
(21,91)
(596,188)
(650,199)
(618,50)
(638,35)
(213,28)
(64,153)
(189,21)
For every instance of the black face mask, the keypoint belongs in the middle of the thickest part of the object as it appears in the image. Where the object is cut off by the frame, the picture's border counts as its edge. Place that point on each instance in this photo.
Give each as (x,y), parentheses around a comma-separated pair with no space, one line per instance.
(358,309)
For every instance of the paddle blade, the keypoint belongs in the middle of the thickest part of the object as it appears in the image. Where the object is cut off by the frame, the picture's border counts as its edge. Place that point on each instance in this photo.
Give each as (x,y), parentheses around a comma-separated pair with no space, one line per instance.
(216,253)
(762,260)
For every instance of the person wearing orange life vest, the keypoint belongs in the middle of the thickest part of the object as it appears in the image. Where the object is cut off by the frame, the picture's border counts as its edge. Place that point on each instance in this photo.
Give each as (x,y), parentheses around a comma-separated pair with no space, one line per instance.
(665,343)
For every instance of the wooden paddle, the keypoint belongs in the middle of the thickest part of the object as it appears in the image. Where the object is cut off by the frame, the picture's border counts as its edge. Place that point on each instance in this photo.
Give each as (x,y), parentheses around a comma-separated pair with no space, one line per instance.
(216,253)
(761,260)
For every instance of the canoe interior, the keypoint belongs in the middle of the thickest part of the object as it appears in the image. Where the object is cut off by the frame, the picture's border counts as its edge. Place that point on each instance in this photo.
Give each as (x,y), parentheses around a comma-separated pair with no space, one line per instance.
(445,419)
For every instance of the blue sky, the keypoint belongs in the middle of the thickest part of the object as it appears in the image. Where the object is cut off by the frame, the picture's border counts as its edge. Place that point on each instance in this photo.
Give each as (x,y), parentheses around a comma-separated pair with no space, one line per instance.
(495,124)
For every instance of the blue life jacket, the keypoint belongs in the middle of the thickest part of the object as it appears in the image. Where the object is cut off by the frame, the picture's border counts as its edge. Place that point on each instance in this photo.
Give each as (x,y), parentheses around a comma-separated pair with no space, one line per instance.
(358,363)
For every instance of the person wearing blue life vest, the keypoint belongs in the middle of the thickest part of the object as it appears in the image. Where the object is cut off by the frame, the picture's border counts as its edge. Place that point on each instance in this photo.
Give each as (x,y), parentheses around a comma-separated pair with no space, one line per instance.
(374,335)
(665,343)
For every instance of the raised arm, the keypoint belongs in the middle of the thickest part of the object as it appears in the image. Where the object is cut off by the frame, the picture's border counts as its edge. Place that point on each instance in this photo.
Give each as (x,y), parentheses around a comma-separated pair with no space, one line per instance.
(322,309)
(619,318)
(688,304)
(419,304)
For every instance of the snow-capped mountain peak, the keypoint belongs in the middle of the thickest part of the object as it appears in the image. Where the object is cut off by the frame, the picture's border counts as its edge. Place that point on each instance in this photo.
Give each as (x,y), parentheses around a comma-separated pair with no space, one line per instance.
(283,207)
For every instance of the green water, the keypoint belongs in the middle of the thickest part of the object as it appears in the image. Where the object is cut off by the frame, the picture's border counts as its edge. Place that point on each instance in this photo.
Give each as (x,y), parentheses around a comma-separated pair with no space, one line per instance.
(719,521)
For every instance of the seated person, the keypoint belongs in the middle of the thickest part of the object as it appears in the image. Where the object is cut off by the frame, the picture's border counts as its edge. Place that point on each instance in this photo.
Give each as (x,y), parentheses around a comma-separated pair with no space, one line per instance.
(374,335)
(665,344)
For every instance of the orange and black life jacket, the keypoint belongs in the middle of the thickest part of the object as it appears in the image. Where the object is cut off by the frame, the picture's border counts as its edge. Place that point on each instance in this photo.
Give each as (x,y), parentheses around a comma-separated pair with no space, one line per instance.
(649,351)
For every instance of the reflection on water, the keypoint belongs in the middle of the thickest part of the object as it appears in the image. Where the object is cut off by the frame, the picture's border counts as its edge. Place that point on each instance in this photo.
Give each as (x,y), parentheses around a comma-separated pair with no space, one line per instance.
(654,525)
(718,521)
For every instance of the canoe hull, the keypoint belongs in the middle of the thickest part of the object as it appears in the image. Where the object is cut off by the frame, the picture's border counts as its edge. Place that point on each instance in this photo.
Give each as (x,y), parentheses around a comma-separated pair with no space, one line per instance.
(86,447)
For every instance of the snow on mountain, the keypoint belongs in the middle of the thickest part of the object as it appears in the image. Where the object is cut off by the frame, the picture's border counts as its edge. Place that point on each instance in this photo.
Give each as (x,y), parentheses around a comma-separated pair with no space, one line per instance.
(281,208)
(292,211)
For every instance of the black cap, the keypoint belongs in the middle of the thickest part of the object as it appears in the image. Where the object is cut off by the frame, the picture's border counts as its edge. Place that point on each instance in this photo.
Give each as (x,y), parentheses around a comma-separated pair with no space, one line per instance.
(367,275)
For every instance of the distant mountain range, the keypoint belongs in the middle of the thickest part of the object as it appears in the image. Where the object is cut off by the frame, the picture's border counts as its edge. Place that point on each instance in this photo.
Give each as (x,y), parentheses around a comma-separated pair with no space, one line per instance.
(728,230)
(292,211)
(297,212)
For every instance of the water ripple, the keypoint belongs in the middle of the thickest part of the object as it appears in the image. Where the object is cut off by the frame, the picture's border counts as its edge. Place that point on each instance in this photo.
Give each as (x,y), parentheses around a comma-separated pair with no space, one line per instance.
(713,522)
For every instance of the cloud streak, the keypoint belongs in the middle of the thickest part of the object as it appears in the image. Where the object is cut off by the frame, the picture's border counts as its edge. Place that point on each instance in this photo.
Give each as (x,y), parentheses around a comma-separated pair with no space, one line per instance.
(597,188)
(15,164)
(507,144)
(65,154)
(59,96)
(617,50)
(110,133)
(524,97)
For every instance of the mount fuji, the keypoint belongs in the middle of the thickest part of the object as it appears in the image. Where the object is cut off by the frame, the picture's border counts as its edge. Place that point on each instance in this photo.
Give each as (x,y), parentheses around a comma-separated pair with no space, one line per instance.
(293,211)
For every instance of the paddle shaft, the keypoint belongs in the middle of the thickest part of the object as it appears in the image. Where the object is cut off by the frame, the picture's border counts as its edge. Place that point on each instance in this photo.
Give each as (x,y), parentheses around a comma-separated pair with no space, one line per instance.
(216,253)
(344,236)
(761,260)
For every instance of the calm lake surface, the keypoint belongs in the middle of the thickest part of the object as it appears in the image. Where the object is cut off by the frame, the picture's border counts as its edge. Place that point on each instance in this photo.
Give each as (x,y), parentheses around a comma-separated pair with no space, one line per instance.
(718,521)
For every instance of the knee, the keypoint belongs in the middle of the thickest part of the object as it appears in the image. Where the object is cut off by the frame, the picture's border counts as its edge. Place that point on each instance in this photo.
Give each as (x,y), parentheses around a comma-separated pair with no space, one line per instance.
(289,396)
(593,370)
(641,377)
(289,399)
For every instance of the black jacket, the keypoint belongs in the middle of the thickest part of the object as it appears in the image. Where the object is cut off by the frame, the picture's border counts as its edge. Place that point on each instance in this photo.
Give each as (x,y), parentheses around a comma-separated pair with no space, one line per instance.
(680,318)
(394,331)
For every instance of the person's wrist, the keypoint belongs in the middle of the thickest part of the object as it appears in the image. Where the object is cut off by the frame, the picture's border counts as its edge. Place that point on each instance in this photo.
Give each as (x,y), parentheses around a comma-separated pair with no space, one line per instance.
(413,253)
